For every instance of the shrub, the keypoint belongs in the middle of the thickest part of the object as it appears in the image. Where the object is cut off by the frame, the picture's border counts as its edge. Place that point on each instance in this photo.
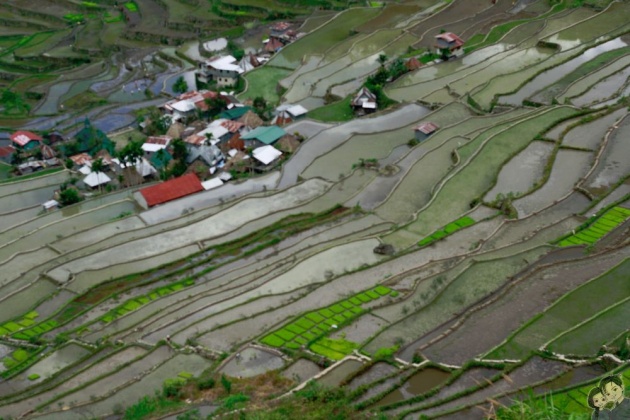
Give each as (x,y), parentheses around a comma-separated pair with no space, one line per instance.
(226,384)
(207,383)
(172,388)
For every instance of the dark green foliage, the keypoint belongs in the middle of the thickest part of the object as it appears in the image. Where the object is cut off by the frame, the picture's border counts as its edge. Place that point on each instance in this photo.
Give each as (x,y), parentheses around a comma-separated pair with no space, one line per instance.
(180,85)
(226,384)
(172,388)
(69,196)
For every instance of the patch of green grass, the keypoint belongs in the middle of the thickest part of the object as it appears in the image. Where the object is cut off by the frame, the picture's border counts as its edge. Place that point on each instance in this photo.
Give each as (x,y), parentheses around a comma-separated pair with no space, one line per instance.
(335,112)
(131,6)
(263,82)
(33,377)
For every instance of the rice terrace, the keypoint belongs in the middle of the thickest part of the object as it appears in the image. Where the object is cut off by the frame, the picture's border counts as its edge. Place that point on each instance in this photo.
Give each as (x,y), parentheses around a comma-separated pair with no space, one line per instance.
(317,209)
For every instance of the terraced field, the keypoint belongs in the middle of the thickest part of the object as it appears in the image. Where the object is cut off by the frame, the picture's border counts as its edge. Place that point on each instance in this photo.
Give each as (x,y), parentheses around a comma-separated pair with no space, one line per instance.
(483,265)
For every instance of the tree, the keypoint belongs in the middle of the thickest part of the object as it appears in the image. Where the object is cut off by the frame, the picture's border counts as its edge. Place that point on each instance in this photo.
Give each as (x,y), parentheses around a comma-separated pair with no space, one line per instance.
(397,68)
(69,196)
(235,50)
(382,59)
(180,154)
(97,167)
(130,154)
(216,105)
(227,385)
(180,85)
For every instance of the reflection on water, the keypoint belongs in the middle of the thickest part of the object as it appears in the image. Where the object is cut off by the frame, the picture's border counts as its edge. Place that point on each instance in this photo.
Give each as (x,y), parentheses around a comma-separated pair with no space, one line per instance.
(418,384)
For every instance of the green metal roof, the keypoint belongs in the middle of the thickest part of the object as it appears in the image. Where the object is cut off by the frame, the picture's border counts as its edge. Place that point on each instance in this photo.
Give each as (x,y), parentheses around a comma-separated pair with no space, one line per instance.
(267,135)
(234,113)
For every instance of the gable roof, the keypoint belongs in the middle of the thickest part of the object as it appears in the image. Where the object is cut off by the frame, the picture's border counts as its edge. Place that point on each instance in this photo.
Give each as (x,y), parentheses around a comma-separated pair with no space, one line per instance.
(451,38)
(266,154)
(81,159)
(427,127)
(267,135)
(21,138)
(160,159)
(273,45)
(364,95)
(235,113)
(94,179)
(225,63)
(251,119)
(171,190)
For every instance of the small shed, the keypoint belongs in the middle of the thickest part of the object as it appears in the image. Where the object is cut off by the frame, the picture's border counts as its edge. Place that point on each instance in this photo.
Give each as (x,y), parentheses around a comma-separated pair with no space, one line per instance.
(424,130)
(50,205)
(364,102)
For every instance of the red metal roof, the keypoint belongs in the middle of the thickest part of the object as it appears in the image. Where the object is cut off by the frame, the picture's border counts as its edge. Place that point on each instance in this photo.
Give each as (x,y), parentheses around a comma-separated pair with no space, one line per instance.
(195,139)
(427,127)
(450,37)
(162,140)
(81,159)
(21,138)
(232,126)
(172,190)
(6,151)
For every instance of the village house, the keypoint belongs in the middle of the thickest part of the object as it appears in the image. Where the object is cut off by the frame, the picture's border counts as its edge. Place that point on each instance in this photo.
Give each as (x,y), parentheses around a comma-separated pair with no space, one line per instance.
(26,140)
(154,144)
(168,191)
(263,136)
(83,161)
(224,70)
(287,113)
(187,104)
(449,45)
(249,62)
(364,102)
(235,112)
(266,154)
(424,130)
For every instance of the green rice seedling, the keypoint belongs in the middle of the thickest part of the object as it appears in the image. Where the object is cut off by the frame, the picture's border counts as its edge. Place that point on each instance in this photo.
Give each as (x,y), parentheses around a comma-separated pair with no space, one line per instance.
(451,227)
(357,310)
(4,331)
(394,293)
(382,290)
(185,375)
(355,300)
(300,340)
(31,315)
(26,322)
(364,298)
(326,313)
(12,326)
(373,295)
(305,323)
(20,355)
(347,305)
(315,317)
(339,318)
(33,377)
(292,345)
(295,328)
(348,314)
(153,295)
(285,334)
(309,336)
(272,340)
(337,308)
(326,352)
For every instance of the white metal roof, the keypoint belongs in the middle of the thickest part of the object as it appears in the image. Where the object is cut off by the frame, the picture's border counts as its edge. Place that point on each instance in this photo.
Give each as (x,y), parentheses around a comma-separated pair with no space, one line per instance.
(183,106)
(50,204)
(225,176)
(297,110)
(369,105)
(225,63)
(144,168)
(266,154)
(85,170)
(211,183)
(152,147)
(95,179)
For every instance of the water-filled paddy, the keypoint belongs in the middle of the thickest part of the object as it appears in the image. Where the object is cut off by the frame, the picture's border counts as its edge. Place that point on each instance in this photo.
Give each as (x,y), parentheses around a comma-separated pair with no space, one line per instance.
(252,362)
(520,173)
(418,384)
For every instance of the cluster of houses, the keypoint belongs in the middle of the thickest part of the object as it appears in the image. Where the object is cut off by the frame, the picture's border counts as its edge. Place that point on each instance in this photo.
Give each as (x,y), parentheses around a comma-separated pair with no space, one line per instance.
(35,153)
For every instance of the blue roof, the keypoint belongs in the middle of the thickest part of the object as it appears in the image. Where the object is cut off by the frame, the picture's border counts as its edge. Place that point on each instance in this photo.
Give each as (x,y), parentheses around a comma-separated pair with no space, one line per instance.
(267,135)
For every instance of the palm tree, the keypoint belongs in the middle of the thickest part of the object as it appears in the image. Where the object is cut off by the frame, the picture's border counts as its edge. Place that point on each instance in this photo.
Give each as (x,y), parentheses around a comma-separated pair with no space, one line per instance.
(97,168)
(382,59)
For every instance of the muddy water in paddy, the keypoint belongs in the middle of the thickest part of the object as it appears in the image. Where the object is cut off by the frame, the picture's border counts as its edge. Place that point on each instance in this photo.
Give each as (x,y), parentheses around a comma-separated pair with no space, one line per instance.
(520,173)
(418,384)
(551,76)
(604,89)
